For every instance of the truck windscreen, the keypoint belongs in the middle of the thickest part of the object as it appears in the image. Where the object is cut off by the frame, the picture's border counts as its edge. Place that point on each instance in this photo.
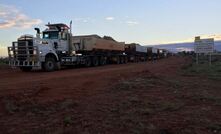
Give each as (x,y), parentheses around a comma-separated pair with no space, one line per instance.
(50,35)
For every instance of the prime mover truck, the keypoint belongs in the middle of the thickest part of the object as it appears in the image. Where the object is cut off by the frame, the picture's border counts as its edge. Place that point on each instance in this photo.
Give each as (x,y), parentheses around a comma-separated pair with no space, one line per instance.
(57,47)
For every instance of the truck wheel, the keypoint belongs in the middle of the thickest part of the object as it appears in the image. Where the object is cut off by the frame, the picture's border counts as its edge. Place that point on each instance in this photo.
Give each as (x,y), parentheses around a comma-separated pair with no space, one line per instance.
(49,65)
(137,59)
(121,60)
(95,61)
(103,61)
(88,62)
(26,69)
(125,60)
(118,60)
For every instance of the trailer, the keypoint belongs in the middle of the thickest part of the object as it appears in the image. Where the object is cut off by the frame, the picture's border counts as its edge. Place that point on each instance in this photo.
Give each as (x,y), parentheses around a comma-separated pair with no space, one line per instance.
(136,52)
(92,50)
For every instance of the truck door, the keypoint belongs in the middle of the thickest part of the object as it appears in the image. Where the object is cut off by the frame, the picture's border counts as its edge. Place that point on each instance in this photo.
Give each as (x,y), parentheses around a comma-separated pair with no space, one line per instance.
(63,43)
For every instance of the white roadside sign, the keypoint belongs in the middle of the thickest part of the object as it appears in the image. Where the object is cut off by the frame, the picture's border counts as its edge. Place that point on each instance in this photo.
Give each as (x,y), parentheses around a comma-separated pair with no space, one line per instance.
(204,46)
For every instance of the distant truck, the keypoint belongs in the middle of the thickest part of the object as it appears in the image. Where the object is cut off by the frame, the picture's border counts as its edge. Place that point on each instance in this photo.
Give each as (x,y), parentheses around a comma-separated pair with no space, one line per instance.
(58,47)
(136,52)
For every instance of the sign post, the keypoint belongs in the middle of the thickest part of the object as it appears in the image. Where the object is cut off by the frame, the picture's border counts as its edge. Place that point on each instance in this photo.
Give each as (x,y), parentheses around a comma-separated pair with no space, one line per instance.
(204,46)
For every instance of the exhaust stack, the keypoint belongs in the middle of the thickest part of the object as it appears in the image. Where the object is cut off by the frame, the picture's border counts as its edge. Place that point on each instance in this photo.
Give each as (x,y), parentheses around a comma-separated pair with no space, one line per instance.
(38,32)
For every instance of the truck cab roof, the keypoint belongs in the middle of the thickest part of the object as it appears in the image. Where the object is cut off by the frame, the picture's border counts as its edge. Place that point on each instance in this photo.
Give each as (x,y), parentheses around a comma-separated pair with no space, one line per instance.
(59,27)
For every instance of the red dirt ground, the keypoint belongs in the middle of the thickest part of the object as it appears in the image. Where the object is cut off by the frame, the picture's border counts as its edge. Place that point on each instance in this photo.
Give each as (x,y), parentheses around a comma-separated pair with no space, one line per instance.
(153,98)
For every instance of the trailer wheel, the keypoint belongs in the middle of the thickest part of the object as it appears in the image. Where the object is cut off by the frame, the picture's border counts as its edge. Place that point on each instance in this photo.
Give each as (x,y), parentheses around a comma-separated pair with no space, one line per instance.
(88,62)
(137,59)
(122,60)
(95,61)
(103,60)
(50,64)
(118,60)
(126,60)
(26,69)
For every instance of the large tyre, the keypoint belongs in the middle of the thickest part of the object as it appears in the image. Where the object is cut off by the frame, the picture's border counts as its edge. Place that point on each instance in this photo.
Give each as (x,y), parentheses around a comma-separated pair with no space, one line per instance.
(26,69)
(122,60)
(50,65)
(95,61)
(117,60)
(88,62)
(137,59)
(103,61)
(126,60)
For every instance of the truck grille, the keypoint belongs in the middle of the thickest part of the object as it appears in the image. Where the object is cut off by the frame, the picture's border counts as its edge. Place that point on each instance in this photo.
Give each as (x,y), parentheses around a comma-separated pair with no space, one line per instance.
(24,53)
(24,49)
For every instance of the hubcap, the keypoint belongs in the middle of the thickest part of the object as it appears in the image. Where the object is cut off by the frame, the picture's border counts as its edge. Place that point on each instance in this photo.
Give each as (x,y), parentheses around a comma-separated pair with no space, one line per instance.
(50,65)
(88,62)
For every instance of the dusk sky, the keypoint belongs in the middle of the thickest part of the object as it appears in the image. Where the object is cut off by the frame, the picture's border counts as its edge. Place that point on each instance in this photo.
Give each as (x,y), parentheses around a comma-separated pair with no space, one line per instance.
(141,21)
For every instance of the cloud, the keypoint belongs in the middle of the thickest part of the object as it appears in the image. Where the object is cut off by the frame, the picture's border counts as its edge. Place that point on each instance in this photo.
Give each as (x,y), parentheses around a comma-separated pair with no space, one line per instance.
(132,23)
(11,17)
(110,18)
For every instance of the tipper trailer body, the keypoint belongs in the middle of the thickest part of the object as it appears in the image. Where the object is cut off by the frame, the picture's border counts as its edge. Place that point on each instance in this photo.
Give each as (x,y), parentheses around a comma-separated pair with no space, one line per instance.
(95,51)
(95,42)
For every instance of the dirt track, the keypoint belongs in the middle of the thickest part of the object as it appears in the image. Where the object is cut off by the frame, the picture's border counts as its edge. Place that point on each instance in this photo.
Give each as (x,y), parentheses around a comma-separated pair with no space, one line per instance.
(67,83)
(133,98)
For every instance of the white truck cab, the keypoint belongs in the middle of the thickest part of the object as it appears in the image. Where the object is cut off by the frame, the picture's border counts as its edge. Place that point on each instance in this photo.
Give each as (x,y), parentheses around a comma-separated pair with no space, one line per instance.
(41,51)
